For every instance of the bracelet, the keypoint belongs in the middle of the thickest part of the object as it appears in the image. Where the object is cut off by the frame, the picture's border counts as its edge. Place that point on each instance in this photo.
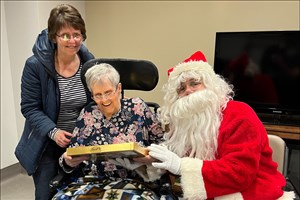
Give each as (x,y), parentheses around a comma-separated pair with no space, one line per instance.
(64,166)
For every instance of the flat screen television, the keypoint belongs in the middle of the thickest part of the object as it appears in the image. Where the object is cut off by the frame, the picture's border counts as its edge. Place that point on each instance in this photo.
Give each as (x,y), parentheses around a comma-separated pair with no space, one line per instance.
(264,67)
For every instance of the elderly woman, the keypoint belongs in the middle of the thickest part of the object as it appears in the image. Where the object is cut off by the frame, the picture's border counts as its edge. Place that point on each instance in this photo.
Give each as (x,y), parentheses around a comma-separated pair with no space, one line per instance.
(109,120)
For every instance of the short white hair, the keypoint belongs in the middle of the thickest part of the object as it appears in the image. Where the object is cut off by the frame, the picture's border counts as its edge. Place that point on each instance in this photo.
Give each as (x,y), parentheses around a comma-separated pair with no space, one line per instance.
(100,72)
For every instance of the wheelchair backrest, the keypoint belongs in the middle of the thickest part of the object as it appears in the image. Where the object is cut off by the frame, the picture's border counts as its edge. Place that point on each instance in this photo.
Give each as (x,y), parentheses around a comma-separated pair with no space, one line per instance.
(134,74)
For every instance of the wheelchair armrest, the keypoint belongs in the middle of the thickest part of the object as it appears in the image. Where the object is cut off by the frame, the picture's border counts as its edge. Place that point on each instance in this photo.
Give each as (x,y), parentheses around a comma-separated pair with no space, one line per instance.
(61,180)
(153,105)
(166,186)
(57,181)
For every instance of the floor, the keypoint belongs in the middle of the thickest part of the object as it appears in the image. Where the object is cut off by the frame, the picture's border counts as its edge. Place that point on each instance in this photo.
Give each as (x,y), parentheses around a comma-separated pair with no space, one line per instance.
(20,186)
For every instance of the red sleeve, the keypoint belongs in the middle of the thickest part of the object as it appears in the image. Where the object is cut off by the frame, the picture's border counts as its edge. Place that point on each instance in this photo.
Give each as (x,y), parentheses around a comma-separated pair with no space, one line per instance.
(239,152)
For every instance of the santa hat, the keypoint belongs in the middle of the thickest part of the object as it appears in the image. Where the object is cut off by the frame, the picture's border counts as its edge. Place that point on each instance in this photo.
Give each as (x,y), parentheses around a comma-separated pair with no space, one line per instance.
(197,61)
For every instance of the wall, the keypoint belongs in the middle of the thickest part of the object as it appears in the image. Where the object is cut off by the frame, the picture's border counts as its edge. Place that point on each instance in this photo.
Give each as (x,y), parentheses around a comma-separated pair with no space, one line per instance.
(167,32)
(21,22)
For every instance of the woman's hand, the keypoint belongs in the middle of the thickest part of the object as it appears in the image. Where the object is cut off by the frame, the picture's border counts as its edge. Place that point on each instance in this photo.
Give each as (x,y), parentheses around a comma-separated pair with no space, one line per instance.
(146,160)
(62,138)
(75,160)
(126,163)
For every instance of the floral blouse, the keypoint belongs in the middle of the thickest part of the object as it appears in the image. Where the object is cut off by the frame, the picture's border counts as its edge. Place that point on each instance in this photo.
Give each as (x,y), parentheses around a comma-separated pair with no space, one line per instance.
(135,122)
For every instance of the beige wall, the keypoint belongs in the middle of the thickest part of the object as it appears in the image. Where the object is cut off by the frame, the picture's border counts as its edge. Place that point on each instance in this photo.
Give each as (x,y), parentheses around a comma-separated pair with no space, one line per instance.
(167,32)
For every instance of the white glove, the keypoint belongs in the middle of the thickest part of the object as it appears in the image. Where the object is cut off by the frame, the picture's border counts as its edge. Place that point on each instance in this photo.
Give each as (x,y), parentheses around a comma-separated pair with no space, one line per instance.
(126,163)
(169,160)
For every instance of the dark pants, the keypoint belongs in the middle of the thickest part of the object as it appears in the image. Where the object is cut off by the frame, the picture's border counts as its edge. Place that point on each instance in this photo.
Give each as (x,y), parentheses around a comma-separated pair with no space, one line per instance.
(47,169)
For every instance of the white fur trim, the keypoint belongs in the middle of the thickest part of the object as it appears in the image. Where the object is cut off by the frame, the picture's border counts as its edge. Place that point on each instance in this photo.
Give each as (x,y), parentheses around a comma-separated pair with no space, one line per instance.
(288,196)
(191,179)
(234,196)
(192,65)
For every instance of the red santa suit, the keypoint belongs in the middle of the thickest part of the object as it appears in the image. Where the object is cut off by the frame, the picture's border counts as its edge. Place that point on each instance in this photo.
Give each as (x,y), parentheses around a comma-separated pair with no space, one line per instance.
(243,168)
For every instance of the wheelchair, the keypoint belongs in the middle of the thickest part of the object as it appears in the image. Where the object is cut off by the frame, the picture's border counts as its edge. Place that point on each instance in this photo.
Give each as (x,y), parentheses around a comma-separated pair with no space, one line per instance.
(141,75)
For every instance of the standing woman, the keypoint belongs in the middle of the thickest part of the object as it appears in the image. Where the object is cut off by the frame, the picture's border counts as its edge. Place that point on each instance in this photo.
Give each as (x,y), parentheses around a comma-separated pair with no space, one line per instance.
(52,95)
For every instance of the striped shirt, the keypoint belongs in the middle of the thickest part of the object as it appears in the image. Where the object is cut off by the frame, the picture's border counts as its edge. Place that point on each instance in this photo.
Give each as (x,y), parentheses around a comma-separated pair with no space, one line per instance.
(72,100)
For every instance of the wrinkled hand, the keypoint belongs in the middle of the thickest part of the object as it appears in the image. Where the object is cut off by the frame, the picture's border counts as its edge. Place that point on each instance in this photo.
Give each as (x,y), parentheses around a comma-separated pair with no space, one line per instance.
(62,138)
(146,160)
(126,163)
(75,160)
(169,160)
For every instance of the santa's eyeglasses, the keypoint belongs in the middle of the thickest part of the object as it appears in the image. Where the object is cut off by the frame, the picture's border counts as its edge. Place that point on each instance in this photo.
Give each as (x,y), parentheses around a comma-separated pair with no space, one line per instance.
(192,83)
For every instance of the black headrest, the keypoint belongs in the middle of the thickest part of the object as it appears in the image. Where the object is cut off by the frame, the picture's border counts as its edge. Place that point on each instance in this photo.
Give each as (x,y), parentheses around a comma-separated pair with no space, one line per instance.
(134,74)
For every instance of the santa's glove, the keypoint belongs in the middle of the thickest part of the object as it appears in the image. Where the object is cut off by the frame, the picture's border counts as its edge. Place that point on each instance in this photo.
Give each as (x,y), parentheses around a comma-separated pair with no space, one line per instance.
(126,163)
(169,160)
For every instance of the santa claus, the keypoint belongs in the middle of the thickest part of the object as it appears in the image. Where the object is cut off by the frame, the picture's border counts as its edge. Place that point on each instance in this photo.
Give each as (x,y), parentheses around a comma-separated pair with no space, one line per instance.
(217,146)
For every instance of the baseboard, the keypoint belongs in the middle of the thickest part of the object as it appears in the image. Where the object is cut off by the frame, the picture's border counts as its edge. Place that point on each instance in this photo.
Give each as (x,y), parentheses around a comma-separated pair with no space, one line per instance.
(12,171)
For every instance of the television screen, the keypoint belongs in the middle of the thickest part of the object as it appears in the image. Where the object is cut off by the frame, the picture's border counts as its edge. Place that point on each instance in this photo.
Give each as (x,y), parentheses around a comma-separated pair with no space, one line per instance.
(264,67)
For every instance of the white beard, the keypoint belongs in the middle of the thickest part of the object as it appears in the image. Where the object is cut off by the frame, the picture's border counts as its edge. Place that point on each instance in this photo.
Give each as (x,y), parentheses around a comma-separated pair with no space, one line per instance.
(195,125)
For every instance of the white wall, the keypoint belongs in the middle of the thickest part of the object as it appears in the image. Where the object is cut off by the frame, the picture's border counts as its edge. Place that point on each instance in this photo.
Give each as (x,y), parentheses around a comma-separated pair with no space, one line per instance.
(8,117)
(21,22)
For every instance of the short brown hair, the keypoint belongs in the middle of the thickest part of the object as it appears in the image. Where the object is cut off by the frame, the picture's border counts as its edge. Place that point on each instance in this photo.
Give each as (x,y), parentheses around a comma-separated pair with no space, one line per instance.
(65,15)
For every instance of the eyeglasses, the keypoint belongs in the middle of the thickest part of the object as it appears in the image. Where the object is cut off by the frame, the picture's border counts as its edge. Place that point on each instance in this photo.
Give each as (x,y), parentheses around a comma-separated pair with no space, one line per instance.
(190,83)
(67,37)
(106,95)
